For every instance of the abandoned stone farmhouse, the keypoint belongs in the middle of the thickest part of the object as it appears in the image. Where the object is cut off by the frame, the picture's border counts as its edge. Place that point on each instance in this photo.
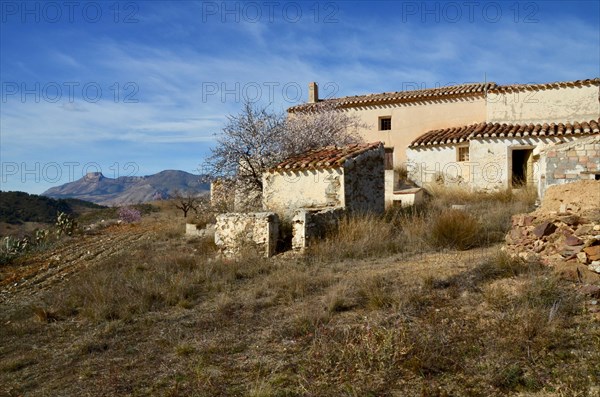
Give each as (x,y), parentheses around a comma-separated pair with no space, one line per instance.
(477,136)
(312,191)
(480,135)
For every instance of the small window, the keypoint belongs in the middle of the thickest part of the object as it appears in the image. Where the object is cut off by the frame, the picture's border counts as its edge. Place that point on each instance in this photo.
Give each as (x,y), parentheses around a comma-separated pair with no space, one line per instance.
(385,123)
(389,158)
(463,153)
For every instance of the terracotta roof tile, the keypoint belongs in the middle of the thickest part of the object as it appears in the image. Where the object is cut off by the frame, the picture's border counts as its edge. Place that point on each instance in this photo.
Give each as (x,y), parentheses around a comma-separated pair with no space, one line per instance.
(545,86)
(400,96)
(327,157)
(430,94)
(496,130)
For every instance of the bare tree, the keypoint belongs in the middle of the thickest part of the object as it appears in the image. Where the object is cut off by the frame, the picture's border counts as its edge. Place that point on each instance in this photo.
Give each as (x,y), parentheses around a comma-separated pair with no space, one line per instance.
(315,129)
(185,202)
(257,139)
(250,142)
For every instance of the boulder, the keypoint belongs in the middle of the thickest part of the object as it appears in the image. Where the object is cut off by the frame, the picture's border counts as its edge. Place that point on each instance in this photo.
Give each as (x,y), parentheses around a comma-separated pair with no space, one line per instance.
(572,240)
(593,252)
(590,290)
(544,229)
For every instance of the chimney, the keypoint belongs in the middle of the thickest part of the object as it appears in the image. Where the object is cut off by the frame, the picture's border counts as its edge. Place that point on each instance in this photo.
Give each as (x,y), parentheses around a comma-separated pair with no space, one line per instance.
(313,92)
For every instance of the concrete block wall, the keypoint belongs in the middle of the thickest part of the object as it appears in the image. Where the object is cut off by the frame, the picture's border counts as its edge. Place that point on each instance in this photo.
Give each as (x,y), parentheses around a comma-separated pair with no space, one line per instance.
(237,232)
(310,225)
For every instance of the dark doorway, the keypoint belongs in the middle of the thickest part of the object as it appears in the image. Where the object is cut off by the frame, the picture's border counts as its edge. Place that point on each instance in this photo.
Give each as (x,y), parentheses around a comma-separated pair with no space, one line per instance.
(522,167)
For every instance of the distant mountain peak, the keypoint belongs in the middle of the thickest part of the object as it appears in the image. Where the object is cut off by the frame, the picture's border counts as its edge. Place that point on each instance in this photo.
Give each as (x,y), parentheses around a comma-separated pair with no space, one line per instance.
(97,188)
(93,176)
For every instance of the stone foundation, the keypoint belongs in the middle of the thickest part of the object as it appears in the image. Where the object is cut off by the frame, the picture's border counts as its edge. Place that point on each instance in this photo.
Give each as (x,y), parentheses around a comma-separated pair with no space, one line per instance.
(239,232)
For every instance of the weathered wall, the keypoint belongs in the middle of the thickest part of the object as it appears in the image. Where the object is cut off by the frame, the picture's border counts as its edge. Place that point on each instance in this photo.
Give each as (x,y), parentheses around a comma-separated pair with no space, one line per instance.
(491,160)
(284,192)
(426,164)
(311,225)
(236,232)
(411,120)
(572,161)
(489,166)
(364,182)
(566,104)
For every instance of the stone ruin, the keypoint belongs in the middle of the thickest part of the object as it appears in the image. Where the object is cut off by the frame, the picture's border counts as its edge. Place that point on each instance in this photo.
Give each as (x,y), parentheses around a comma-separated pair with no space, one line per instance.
(312,192)
(564,232)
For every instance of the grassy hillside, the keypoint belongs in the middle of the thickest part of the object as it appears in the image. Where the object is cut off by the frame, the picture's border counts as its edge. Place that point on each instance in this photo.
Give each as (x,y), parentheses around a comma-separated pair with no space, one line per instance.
(21,207)
(376,309)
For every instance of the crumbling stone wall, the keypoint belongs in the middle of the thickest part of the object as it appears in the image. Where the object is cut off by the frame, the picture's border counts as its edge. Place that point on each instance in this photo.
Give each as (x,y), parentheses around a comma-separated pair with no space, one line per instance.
(237,232)
(310,225)
(364,182)
(569,162)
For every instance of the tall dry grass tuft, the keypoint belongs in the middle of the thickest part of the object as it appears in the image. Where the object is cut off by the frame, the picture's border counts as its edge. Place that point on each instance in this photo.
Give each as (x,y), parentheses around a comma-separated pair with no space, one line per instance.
(455,229)
(359,237)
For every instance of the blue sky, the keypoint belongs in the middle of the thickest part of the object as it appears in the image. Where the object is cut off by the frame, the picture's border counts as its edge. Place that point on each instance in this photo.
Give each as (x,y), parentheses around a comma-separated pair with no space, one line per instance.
(136,87)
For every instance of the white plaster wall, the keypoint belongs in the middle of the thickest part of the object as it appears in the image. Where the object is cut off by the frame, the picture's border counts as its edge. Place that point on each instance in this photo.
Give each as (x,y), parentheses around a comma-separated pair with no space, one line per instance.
(555,105)
(425,163)
(284,192)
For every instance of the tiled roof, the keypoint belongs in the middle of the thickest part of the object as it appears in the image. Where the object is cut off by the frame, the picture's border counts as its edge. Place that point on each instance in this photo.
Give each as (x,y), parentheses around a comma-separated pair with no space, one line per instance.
(436,93)
(497,130)
(546,86)
(400,96)
(328,157)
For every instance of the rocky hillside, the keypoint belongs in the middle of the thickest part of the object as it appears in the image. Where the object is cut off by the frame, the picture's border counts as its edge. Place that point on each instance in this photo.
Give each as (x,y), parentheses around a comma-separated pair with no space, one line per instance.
(99,189)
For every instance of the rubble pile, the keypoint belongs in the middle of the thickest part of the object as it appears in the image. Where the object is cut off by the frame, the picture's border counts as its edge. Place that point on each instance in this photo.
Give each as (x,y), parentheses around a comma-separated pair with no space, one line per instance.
(564,233)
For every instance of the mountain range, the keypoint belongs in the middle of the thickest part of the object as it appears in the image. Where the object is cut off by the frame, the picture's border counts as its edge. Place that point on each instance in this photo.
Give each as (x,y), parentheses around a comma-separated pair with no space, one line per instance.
(97,188)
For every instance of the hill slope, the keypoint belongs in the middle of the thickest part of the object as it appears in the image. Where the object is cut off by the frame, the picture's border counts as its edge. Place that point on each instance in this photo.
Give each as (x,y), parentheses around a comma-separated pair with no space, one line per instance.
(99,189)
(20,207)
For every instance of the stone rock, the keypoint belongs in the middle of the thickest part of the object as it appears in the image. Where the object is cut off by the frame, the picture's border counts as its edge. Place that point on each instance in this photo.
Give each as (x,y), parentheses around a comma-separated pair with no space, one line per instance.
(592,291)
(572,240)
(593,252)
(583,229)
(568,254)
(571,220)
(544,229)
(582,257)
(594,266)
(576,272)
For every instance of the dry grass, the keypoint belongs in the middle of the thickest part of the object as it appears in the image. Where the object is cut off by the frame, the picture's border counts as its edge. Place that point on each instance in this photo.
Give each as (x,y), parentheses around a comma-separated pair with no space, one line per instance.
(432,226)
(455,229)
(167,318)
